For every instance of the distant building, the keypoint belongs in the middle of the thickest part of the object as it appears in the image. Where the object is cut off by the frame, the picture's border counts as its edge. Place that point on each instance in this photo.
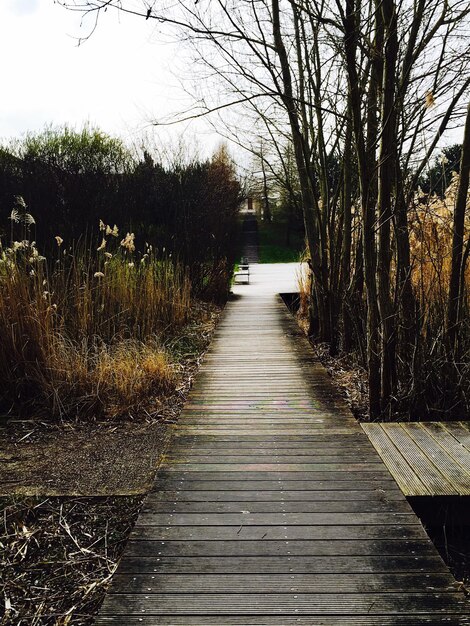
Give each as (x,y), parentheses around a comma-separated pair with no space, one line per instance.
(250,205)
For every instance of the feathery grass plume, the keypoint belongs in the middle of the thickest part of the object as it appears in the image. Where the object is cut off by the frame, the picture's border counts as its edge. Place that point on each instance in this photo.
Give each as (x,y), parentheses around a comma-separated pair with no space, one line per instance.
(114,232)
(303,279)
(431,230)
(22,218)
(431,233)
(429,101)
(128,242)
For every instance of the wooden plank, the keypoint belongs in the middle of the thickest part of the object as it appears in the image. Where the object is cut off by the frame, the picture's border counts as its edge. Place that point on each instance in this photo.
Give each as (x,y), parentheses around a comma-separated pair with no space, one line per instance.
(197,447)
(329,455)
(224,429)
(272,519)
(261,407)
(246,425)
(444,463)
(246,422)
(271,467)
(260,430)
(408,481)
(262,533)
(378,476)
(189,457)
(268,440)
(460,431)
(281,565)
(303,506)
(288,603)
(282,583)
(224,484)
(270,547)
(141,619)
(275,496)
(451,445)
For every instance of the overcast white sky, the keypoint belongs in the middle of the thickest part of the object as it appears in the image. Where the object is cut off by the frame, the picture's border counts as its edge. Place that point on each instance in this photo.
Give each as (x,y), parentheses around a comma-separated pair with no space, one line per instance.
(119,79)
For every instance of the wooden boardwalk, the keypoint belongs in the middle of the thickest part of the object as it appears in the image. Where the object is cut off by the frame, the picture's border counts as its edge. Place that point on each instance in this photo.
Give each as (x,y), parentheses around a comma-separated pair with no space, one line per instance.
(272,506)
(425,458)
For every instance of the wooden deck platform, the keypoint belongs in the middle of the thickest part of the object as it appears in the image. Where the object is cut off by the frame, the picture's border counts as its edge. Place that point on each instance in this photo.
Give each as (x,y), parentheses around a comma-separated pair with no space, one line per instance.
(425,458)
(272,506)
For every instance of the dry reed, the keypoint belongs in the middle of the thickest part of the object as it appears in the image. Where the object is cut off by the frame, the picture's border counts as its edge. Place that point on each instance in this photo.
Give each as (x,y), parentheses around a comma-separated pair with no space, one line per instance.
(82,333)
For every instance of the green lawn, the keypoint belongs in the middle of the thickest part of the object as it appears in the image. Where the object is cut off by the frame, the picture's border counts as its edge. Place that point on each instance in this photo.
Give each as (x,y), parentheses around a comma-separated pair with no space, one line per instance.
(272,243)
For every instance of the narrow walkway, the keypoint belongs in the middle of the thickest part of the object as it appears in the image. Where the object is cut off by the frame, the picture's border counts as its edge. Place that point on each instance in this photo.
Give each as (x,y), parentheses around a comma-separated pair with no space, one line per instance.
(272,506)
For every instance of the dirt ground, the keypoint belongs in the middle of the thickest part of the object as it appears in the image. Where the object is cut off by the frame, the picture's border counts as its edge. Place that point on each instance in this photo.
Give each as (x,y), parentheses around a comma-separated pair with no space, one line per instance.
(69,496)
(79,460)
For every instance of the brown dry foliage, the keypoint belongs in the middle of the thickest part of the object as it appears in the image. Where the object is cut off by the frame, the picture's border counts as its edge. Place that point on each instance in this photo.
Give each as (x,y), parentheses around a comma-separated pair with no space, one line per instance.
(431,231)
(84,334)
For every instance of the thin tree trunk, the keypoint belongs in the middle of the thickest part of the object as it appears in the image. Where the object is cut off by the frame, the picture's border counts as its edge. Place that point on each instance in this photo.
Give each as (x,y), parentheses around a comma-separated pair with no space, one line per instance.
(311,208)
(346,244)
(455,291)
(386,11)
(266,205)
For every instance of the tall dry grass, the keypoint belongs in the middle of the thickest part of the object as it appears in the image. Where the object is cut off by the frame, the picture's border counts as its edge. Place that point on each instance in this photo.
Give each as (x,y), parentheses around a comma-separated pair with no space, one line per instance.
(435,381)
(431,232)
(83,332)
(441,383)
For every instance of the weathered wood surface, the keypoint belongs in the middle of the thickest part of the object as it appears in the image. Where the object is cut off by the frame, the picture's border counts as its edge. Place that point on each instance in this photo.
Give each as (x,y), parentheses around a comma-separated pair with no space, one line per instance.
(272,506)
(425,458)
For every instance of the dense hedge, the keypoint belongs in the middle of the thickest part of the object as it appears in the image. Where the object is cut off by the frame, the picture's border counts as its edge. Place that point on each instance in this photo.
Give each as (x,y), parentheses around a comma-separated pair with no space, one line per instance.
(72,179)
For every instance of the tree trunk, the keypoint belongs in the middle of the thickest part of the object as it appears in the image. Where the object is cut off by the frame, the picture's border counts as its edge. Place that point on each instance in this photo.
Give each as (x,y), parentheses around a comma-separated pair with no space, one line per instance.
(266,205)
(455,290)
(311,208)
(368,198)
(386,167)
(346,244)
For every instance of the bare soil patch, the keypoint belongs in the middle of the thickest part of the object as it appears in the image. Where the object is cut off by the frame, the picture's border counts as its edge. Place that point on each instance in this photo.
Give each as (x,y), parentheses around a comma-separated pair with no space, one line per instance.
(96,460)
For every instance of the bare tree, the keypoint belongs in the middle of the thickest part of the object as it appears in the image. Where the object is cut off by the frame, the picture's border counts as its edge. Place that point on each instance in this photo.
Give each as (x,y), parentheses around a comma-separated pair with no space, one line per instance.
(371,85)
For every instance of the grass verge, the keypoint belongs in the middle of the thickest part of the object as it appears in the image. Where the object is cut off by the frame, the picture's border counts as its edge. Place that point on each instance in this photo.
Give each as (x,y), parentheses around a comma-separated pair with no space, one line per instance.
(275,247)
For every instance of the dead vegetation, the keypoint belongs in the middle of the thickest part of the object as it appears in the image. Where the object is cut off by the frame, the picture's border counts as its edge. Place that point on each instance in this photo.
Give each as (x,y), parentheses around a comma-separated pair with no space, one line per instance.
(84,332)
(58,556)
(345,369)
